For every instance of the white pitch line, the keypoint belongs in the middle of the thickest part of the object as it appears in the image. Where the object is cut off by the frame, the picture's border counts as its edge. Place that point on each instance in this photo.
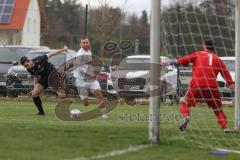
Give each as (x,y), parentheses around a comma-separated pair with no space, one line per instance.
(228,150)
(116,152)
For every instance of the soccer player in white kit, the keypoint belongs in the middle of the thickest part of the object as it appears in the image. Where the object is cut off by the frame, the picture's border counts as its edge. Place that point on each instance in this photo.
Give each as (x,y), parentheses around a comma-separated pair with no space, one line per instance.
(86,78)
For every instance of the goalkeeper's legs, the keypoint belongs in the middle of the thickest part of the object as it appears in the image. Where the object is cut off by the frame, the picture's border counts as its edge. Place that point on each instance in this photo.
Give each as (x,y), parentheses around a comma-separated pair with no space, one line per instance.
(213,100)
(221,118)
(185,111)
(191,98)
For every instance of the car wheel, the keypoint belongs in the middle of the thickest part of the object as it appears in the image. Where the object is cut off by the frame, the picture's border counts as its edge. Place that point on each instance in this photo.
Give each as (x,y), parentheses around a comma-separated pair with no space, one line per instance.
(3,94)
(12,94)
(130,101)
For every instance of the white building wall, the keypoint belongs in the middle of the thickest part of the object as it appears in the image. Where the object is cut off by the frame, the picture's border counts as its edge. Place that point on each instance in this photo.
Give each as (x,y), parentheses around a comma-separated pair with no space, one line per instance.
(10,37)
(31,29)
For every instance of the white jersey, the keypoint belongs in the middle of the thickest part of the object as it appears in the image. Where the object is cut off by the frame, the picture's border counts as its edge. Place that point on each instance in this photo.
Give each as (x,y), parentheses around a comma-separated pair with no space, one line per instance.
(80,73)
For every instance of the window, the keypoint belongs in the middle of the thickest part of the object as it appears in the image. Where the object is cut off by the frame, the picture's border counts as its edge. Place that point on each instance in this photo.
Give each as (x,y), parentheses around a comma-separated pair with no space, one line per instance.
(6,10)
(9,54)
(135,64)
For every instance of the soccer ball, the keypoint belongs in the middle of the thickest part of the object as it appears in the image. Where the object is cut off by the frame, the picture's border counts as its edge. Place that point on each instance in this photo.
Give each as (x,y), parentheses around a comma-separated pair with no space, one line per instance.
(75,113)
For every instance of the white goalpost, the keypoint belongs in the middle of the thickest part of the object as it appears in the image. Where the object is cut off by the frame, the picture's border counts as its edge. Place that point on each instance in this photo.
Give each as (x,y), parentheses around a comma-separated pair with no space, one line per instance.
(237,66)
(182,30)
(154,110)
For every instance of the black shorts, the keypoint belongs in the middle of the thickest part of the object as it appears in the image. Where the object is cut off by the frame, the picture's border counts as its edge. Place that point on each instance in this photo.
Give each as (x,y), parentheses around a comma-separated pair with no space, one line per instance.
(43,81)
(55,80)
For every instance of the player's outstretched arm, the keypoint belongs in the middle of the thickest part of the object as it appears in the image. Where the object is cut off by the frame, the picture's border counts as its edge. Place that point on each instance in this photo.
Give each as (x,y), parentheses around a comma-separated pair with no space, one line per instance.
(51,54)
(226,75)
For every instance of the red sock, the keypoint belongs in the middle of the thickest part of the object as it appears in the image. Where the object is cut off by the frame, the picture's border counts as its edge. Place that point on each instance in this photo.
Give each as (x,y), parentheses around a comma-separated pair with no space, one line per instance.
(221,118)
(184,110)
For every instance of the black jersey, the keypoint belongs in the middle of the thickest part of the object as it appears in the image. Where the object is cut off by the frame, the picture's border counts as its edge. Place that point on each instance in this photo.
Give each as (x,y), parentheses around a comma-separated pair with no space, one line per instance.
(41,66)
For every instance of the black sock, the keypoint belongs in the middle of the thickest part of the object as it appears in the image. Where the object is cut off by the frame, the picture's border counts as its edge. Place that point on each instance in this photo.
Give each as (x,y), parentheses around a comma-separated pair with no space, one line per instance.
(37,101)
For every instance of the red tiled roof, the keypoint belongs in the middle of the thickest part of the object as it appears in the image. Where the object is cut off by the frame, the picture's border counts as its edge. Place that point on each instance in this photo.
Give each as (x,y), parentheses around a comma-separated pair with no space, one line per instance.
(18,16)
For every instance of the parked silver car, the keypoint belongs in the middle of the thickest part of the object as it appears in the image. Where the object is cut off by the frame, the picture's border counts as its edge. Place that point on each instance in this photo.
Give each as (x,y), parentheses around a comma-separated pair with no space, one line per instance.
(223,88)
(131,80)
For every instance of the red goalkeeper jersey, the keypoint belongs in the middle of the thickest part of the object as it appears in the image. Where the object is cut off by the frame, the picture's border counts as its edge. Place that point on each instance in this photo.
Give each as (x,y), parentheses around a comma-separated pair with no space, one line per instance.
(205,69)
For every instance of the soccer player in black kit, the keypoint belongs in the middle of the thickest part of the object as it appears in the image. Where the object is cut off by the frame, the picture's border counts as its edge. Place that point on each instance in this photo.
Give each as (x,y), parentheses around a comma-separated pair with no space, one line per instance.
(44,72)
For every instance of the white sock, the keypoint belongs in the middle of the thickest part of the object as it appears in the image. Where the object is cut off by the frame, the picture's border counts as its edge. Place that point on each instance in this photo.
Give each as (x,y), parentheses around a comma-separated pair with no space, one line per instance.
(104,112)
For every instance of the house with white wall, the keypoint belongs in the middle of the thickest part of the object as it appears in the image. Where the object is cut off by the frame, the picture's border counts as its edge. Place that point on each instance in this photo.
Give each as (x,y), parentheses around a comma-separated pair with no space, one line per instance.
(21,22)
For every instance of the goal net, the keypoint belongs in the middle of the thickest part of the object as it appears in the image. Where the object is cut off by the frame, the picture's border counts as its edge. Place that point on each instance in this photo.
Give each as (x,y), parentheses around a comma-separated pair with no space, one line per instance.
(185,25)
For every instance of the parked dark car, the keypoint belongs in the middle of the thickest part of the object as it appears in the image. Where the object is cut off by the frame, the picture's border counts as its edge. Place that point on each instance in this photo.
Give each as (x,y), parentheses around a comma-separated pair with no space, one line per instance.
(9,56)
(20,81)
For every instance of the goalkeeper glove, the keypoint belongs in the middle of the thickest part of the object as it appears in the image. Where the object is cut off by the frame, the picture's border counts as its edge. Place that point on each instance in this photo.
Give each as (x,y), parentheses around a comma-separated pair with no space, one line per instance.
(173,63)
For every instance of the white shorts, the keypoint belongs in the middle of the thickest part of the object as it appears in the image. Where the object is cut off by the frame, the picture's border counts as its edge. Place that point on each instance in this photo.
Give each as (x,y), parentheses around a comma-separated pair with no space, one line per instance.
(84,88)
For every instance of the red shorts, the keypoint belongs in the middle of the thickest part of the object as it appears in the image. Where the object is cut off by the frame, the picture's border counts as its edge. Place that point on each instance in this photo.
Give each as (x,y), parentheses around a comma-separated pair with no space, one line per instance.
(210,95)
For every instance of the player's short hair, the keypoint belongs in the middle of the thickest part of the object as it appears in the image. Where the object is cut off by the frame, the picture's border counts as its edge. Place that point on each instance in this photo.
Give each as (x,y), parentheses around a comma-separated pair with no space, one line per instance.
(83,38)
(23,60)
(210,44)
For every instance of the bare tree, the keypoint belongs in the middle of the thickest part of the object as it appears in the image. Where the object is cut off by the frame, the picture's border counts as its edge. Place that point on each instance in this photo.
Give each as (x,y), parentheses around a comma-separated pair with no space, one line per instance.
(104,24)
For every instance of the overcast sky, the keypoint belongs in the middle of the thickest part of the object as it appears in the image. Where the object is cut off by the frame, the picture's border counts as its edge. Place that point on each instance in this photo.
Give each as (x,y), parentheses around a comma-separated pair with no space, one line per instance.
(134,6)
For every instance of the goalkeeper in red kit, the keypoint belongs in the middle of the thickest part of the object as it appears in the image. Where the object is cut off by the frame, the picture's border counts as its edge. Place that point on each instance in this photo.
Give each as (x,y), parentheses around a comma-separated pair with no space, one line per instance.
(205,68)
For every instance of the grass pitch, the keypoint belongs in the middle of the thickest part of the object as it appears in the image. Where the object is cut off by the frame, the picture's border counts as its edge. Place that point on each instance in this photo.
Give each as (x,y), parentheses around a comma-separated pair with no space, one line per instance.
(124,135)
